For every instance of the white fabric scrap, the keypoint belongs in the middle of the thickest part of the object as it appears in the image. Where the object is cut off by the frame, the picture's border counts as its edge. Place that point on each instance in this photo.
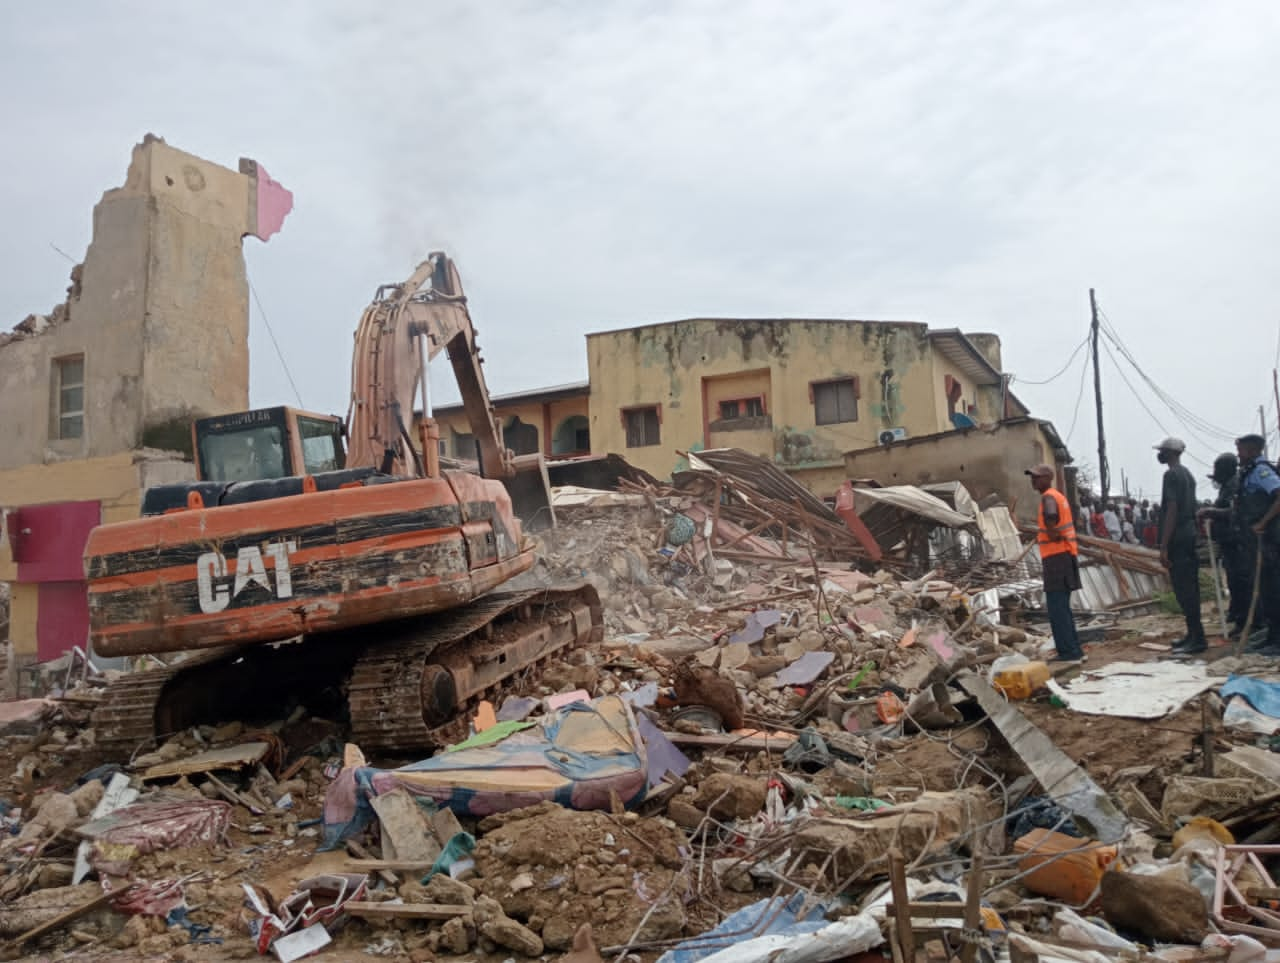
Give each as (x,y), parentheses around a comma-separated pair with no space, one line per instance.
(1135,690)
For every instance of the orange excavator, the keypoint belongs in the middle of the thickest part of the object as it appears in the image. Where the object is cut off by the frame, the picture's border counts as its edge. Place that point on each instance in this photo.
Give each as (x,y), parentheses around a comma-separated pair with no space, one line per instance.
(315,576)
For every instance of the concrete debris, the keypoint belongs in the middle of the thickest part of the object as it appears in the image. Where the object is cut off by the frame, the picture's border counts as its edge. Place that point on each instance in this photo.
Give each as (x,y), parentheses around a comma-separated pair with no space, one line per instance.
(832,714)
(1158,906)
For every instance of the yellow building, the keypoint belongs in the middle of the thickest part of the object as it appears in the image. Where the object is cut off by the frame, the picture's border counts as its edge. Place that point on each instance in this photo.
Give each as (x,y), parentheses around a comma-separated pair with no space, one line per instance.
(801,392)
(100,393)
(554,421)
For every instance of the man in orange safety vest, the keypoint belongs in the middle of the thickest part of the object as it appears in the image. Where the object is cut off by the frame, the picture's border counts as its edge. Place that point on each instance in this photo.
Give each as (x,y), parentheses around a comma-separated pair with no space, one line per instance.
(1059,562)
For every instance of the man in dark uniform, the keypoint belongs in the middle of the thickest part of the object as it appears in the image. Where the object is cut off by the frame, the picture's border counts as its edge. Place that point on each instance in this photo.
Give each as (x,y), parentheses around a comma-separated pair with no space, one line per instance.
(1237,565)
(1257,508)
(1178,543)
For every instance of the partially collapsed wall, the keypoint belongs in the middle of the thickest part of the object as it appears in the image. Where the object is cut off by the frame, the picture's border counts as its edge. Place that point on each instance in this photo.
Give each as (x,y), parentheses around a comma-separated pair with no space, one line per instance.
(154,330)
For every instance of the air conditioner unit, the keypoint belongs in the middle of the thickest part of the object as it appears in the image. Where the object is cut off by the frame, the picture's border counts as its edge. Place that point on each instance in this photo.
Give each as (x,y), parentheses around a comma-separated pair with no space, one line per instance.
(890,435)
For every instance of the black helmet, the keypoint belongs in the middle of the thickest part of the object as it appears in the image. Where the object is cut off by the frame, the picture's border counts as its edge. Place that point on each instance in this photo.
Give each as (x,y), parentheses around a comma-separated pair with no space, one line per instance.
(1224,467)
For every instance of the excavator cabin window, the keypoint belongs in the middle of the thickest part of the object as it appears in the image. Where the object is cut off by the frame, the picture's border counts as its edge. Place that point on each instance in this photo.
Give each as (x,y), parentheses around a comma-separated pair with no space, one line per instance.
(321,445)
(247,454)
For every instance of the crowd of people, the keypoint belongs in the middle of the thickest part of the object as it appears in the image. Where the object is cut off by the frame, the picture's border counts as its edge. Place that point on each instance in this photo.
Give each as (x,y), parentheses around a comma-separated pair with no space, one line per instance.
(1125,520)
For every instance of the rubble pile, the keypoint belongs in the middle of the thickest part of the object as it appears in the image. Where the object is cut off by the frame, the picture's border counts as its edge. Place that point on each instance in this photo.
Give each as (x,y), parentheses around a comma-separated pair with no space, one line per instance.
(762,755)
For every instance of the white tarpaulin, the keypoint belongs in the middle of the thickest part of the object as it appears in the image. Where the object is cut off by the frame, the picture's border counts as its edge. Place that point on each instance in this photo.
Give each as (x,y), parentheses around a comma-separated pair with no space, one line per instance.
(1135,690)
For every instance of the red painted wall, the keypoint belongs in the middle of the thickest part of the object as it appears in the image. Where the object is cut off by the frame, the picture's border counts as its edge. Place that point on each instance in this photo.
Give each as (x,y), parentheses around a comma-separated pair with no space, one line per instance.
(62,619)
(48,540)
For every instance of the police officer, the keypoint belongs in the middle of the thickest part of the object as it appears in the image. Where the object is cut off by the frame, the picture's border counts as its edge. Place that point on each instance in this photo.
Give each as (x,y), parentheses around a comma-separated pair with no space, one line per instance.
(1237,565)
(1257,508)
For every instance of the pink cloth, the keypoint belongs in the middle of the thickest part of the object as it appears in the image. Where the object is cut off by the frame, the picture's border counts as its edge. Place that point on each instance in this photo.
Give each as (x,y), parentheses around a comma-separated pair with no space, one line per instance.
(275,202)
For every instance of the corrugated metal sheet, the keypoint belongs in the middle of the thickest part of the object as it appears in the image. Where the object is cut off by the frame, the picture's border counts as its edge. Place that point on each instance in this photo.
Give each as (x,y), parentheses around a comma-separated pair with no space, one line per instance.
(764,477)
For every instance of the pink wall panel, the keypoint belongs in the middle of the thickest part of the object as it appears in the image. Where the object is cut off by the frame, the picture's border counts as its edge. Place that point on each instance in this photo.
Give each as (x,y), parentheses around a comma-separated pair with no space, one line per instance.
(48,540)
(62,618)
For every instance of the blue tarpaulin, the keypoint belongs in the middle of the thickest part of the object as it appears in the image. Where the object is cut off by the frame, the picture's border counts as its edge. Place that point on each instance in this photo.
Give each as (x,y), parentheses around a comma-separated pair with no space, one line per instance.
(1263,696)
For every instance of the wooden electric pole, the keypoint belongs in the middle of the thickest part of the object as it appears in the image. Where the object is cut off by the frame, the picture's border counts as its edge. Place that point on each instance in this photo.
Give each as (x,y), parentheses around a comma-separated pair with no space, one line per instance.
(1104,473)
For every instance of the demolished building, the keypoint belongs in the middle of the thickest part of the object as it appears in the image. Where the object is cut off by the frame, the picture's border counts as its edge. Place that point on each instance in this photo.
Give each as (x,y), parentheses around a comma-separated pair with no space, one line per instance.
(100,392)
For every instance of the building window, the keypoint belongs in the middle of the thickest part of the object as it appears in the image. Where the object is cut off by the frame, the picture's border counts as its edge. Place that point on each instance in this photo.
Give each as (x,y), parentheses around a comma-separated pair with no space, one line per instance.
(464,445)
(642,426)
(69,373)
(742,408)
(835,401)
(572,437)
(520,436)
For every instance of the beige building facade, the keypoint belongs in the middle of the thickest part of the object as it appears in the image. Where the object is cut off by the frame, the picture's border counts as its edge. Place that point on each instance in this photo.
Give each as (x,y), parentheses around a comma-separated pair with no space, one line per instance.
(800,392)
(554,421)
(100,392)
(988,460)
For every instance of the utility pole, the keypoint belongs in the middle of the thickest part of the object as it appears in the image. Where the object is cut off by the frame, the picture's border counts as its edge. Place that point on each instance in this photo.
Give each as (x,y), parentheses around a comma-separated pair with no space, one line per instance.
(1104,473)
(1262,427)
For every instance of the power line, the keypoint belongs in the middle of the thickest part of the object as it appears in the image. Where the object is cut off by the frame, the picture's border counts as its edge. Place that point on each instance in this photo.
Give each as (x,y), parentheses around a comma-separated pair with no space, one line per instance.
(1138,398)
(1075,415)
(1055,377)
(280,354)
(1189,419)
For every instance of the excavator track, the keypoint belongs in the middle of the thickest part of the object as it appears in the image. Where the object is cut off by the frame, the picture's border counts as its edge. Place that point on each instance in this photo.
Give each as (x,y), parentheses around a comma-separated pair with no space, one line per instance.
(408,691)
(413,692)
(126,718)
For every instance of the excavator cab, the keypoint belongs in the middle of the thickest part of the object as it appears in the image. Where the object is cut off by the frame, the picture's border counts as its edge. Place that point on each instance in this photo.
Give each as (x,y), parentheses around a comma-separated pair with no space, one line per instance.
(282,442)
(267,443)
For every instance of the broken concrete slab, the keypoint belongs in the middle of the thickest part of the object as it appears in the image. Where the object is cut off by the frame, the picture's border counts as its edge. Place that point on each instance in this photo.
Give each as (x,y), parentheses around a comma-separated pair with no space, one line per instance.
(232,757)
(405,833)
(859,847)
(1159,906)
(1061,779)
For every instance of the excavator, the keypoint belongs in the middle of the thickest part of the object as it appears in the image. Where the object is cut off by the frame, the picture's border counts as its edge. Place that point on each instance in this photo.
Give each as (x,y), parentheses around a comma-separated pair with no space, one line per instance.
(335,564)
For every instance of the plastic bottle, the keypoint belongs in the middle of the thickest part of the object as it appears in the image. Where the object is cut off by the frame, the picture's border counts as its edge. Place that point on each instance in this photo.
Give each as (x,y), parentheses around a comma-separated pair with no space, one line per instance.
(1062,867)
(1020,681)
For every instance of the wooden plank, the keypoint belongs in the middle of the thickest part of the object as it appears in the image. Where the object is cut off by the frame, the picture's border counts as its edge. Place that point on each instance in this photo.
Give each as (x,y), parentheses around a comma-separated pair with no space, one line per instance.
(388,877)
(408,911)
(973,909)
(233,757)
(390,865)
(404,828)
(902,908)
(229,794)
(931,911)
(776,743)
(62,919)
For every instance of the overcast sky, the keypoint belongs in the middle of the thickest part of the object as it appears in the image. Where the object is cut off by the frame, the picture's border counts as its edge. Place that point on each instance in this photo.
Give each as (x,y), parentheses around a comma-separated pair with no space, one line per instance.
(597,164)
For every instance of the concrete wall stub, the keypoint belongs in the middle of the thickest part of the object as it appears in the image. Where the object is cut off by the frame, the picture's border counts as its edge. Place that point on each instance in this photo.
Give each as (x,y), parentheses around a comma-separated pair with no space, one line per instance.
(159,312)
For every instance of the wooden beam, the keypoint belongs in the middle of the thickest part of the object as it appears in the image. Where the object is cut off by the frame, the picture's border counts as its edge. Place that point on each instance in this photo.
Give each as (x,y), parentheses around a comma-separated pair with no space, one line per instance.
(408,911)
(62,919)
(393,865)
(901,905)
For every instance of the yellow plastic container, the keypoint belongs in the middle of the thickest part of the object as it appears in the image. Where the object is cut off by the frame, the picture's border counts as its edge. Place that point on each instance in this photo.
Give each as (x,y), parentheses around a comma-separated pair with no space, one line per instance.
(1062,867)
(1020,681)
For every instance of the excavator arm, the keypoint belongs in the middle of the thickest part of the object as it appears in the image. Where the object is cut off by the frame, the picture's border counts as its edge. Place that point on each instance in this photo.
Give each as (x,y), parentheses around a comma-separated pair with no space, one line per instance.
(389,366)
(399,333)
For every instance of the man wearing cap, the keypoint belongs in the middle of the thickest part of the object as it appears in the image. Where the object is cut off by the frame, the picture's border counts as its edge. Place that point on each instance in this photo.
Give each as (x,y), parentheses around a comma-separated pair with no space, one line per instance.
(1059,563)
(1236,562)
(1178,542)
(1257,507)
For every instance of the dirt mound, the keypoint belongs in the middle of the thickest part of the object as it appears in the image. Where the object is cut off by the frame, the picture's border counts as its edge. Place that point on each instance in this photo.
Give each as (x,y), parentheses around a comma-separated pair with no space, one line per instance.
(555,869)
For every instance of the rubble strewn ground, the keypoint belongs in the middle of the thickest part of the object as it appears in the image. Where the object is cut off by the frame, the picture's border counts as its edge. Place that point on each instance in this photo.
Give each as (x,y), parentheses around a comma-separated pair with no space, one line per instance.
(826,739)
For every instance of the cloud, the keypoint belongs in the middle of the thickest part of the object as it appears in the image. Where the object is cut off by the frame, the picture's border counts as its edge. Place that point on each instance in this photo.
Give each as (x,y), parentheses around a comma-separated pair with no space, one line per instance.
(598,165)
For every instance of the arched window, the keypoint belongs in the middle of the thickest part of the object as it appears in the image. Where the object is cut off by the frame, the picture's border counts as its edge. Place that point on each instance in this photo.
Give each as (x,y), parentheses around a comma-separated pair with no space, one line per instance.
(572,437)
(520,437)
